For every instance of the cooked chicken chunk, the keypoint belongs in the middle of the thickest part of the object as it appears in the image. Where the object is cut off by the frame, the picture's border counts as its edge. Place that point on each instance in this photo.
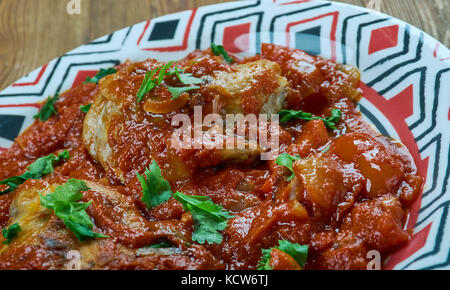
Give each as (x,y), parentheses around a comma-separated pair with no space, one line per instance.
(313,79)
(45,242)
(256,87)
(124,136)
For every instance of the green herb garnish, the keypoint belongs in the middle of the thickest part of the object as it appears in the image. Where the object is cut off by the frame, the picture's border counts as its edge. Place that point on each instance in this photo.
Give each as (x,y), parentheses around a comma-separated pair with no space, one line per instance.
(296,251)
(48,109)
(85,109)
(101,74)
(155,189)
(36,170)
(287,160)
(189,79)
(220,50)
(209,218)
(10,233)
(63,202)
(330,123)
(177,91)
(149,83)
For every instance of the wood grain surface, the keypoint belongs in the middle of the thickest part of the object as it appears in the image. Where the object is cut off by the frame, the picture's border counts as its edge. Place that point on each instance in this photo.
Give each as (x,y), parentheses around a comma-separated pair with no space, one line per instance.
(33,32)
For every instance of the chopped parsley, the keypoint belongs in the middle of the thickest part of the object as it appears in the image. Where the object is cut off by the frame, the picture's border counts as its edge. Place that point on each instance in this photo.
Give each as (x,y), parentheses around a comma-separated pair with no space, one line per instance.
(155,189)
(220,50)
(188,79)
(287,160)
(175,71)
(178,91)
(209,218)
(48,109)
(85,109)
(10,233)
(296,251)
(63,202)
(101,74)
(36,170)
(150,82)
(330,123)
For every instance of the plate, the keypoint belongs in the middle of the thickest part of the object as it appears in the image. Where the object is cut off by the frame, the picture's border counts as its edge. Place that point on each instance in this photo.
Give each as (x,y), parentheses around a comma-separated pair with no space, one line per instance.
(405,79)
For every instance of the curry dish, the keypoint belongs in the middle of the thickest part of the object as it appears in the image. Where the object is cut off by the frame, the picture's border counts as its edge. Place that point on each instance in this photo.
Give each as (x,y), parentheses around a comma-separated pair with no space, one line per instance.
(96,172)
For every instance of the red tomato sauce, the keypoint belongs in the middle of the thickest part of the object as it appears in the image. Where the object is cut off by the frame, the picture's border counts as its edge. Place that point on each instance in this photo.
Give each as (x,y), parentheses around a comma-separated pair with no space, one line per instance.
(351,194)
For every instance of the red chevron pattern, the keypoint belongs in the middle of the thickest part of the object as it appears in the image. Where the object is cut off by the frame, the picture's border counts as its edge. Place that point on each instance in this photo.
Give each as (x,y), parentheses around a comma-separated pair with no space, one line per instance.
(36,81)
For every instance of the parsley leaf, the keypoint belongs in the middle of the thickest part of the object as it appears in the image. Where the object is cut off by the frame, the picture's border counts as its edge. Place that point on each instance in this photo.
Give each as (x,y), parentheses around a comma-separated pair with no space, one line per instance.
(175,71)
(287,160)
(288,115)
(178,91)
(36,170)
(48,109)
(264,263)
(189,79)
(63,202)
(44,165)
(10,233)
(101,74)
(220,50)
(296,251)
(149,83)
(209,218)
(330,123)
(85,109)
(156,190)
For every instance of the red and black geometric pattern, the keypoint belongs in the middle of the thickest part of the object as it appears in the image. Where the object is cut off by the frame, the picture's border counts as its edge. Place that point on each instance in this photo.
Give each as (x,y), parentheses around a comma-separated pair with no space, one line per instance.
(405,74)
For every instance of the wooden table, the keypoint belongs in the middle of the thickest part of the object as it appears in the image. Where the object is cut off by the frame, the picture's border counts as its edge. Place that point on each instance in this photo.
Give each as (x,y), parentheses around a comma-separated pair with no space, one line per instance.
(32,32)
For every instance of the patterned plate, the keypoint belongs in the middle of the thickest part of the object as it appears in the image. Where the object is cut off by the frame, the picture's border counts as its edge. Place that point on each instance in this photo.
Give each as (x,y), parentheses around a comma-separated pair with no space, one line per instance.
(406,76)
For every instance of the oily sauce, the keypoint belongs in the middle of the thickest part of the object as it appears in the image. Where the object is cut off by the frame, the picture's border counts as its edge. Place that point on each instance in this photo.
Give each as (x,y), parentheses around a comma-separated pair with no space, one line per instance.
(351,193)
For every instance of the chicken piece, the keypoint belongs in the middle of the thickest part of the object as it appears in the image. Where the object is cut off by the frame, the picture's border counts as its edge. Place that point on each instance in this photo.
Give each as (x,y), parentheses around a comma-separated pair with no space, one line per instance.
(313,79)
(261,227)
(124,138)
(379,223)
(251,88)
(371,225)
(347,253)
(321,188)
(375,160)
(45,242)
(95,132)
